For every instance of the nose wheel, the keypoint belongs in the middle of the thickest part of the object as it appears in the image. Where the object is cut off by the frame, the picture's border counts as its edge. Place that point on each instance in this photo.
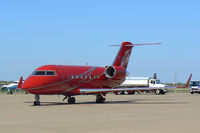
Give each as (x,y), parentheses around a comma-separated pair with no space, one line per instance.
(37,100)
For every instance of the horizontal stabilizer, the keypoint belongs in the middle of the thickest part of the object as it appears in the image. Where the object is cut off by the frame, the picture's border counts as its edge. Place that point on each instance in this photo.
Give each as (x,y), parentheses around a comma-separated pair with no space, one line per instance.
(132,45)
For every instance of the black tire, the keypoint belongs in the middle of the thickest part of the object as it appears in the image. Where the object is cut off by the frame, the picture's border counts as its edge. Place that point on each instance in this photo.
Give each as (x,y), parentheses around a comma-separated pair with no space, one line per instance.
(192,92)
(122,93)
(131,92)
(162,92)
(158,92)
(71,100)
(36,103)
(100,99)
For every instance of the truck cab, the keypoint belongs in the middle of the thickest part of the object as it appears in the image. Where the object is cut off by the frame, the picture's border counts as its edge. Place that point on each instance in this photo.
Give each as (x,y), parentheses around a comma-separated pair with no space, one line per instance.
(155,83)
(195,87)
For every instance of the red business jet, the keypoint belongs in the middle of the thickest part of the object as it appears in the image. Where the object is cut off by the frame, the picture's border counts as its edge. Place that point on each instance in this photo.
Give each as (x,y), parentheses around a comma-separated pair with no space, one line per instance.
(80,80)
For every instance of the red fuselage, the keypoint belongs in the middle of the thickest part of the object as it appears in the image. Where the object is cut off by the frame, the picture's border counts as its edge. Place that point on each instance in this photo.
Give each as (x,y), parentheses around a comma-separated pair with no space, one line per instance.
(68,80)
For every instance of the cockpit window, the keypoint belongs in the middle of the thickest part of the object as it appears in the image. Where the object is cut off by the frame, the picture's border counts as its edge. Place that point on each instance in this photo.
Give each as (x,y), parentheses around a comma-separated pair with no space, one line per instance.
(38,73)
(44,73)
(51,73)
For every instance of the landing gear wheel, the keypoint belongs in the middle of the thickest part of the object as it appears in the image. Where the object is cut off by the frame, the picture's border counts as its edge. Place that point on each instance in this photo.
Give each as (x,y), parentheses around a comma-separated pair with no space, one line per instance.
(100,99)
(158,92)
(9,92)
(36,103)
(192,92)
(37,100)
(71,100)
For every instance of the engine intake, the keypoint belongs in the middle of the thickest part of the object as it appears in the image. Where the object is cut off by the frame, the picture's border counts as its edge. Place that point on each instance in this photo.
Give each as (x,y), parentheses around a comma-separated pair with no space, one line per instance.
(110,72)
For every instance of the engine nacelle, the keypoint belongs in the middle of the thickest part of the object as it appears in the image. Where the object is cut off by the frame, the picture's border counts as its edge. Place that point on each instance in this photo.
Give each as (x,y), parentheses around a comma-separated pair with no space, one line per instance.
(110,72)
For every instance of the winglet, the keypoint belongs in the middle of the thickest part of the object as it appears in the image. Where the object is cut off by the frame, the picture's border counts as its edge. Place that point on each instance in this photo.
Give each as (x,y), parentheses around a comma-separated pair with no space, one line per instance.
(20,83)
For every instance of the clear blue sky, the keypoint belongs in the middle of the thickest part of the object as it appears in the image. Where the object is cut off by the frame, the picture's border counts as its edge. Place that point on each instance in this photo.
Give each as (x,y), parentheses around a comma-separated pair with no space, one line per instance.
(39,32)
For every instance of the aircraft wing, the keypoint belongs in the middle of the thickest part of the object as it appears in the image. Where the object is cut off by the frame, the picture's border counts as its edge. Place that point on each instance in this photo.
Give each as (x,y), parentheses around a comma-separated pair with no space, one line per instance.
(104,90)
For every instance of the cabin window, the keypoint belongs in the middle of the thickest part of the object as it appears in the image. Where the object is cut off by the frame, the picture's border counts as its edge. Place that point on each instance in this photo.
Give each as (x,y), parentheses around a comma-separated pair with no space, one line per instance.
(76,76)
(72,76)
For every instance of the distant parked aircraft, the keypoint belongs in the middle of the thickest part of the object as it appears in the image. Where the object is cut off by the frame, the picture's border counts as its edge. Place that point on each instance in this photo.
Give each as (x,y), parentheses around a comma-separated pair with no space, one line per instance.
(10,87)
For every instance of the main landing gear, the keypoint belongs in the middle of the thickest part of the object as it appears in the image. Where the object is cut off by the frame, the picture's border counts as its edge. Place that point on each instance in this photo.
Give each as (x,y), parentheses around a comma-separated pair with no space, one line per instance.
(37,100)
(71,100)
(100,98)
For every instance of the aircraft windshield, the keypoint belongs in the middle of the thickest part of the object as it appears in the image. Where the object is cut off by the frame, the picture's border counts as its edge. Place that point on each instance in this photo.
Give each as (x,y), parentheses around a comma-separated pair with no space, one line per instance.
(195,83)
(50,73)
(44,73)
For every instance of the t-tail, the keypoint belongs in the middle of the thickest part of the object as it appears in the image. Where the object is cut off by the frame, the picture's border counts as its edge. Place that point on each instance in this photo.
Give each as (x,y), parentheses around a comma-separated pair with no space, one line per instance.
(124,53)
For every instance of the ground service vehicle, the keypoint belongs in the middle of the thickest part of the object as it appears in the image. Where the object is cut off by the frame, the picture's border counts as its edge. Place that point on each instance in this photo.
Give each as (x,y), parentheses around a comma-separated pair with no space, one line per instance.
(195,87)
(144,82)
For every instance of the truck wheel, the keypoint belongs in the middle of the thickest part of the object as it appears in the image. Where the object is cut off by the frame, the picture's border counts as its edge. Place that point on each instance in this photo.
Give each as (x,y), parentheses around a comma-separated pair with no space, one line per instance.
(162,92)
(133,93)
(126,92)
(158,92)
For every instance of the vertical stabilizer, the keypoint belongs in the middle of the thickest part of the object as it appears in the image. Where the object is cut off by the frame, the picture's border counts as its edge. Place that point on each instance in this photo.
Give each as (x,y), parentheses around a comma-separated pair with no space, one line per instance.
(123,55)
(188,82)
(20,83)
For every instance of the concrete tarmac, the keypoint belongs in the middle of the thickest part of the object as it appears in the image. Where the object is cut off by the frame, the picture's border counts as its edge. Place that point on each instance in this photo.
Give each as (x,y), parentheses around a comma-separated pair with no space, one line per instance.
(171,113)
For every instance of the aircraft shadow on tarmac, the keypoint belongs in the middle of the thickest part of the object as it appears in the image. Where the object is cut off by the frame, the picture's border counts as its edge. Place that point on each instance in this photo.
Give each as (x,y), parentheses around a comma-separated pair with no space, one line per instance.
(135,101)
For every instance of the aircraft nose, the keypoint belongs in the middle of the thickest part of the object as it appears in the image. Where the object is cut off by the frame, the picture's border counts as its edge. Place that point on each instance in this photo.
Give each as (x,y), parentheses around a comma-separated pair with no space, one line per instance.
(32,83)
(27,85)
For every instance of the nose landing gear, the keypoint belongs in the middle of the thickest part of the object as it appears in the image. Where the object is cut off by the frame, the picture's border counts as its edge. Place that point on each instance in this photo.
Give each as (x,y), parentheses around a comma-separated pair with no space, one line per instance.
(37,100)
